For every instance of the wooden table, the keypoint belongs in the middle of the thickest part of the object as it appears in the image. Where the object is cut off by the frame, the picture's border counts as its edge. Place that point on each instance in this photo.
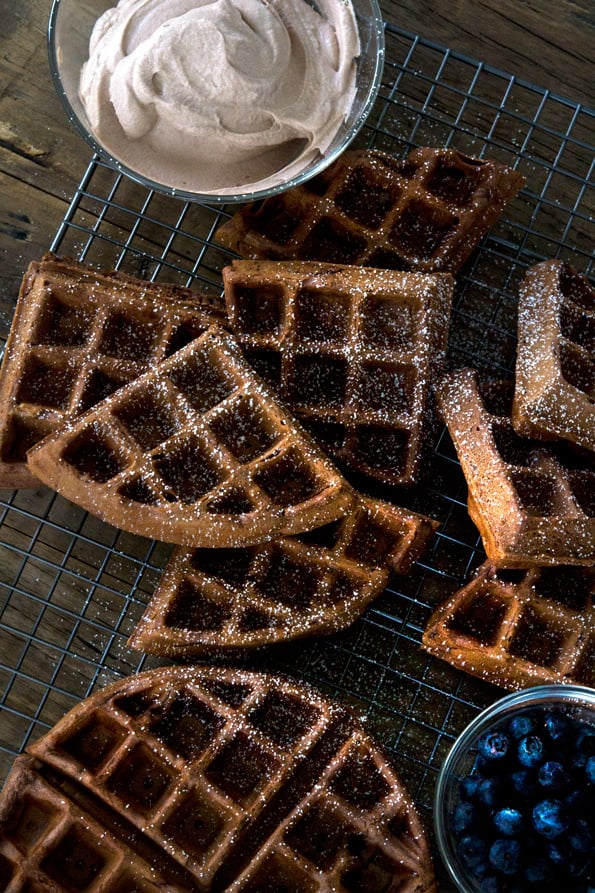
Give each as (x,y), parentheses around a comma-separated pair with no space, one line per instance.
(42,158)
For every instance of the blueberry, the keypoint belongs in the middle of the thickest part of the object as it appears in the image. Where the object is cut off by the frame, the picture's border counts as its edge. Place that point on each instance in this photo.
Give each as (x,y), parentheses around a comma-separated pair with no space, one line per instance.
(531,751)
(472,851)
(520,726)
(553,777)
(505,855)
(550,818)
(580,837)
(493,745)
(489,792)
(523,783)
(578,864)
(509,821)
(578,802)
(584,747)
(585,741)
(557,725)
(574,864)
(464,817)
(469,786)
(523,823)
(537,870)
(557,854)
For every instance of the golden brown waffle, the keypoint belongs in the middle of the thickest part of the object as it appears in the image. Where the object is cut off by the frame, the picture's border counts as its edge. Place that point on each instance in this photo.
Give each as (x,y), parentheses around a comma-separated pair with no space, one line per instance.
(533,504)
(352,352)
(518,628)
(313,583)
(219,781)
(195,452)
(50,843)
(555,368)
(426,213)
(77,335)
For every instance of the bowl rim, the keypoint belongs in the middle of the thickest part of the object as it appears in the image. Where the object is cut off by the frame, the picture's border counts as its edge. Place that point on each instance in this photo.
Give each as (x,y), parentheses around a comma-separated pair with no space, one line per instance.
(377,29)
(534,696)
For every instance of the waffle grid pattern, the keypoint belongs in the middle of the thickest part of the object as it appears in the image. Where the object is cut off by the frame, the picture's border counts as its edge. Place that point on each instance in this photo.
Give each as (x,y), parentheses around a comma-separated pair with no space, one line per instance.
(362,388)
(555,370)
(197,440)
(72,588)
(430,212)
(529,500)
(290,587)
(520,627)
(194,764)
(54,374)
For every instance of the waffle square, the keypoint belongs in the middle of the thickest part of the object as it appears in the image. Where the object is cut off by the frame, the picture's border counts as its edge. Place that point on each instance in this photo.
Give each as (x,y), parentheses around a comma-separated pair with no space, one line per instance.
(534,504)
(77,335)
(425,213)
(203,779)
(352,351)
(196,452)
(518,628)
(555,369)
(51,843)
(317,582)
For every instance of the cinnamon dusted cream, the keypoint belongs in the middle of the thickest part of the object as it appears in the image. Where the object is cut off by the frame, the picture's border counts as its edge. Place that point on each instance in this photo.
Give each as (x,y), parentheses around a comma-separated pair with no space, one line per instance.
(216,96)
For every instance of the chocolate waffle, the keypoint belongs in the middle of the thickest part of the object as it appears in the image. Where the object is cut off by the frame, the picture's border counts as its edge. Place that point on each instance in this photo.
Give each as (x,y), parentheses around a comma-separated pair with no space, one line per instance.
(318,582)
(518,628)
(534,504)
(210,781)
(555,368)
(77,335)
(352,352)
(195,452)
(426,213)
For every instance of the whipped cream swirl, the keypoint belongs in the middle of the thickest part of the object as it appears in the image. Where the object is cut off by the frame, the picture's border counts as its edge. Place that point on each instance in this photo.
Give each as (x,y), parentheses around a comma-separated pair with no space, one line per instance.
(216,95)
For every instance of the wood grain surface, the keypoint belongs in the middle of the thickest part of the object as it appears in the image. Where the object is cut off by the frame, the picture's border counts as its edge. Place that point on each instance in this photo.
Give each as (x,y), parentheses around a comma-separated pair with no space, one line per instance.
(42,158)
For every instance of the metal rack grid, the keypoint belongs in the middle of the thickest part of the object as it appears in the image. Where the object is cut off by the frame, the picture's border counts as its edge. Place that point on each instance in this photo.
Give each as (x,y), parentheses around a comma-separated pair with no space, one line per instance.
(72,588)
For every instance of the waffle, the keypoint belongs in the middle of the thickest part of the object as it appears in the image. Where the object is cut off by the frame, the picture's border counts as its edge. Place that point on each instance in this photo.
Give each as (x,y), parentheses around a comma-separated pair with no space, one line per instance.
(195,452)
(426,213)
(76,336)
(318,582)
(534,504)
(518,628)
(352,352)
(210,781)
(555,369)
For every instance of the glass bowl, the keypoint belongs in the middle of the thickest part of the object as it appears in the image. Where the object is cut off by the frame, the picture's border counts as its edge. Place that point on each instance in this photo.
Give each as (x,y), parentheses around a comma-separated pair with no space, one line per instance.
(492,788)
(69,29)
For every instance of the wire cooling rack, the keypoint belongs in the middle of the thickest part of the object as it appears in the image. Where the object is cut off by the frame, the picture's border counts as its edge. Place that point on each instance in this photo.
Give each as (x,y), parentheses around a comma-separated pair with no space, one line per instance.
(72,588)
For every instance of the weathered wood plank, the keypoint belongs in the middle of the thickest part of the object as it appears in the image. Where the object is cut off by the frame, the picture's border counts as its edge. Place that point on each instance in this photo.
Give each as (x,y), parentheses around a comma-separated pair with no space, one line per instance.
(42,158)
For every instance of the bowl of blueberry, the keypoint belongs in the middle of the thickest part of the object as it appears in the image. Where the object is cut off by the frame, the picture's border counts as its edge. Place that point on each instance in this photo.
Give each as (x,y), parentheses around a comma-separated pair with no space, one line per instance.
(514,807)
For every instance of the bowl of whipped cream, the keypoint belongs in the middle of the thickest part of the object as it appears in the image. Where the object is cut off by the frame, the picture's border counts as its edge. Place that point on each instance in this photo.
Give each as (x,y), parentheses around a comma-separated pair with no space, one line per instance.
(217,100)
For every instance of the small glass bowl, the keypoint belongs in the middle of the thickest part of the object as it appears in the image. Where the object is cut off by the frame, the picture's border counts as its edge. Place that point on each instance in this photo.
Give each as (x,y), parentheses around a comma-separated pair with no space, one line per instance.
(69,29)
(574,701)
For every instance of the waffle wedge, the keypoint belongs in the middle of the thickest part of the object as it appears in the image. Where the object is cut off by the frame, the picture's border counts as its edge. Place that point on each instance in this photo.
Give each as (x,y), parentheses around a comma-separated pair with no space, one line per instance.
(78,335)
(195,452)
(426,213)
(318,582)
(534,504)
(210,781)
(352,351)
(555,369)
(517,628)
